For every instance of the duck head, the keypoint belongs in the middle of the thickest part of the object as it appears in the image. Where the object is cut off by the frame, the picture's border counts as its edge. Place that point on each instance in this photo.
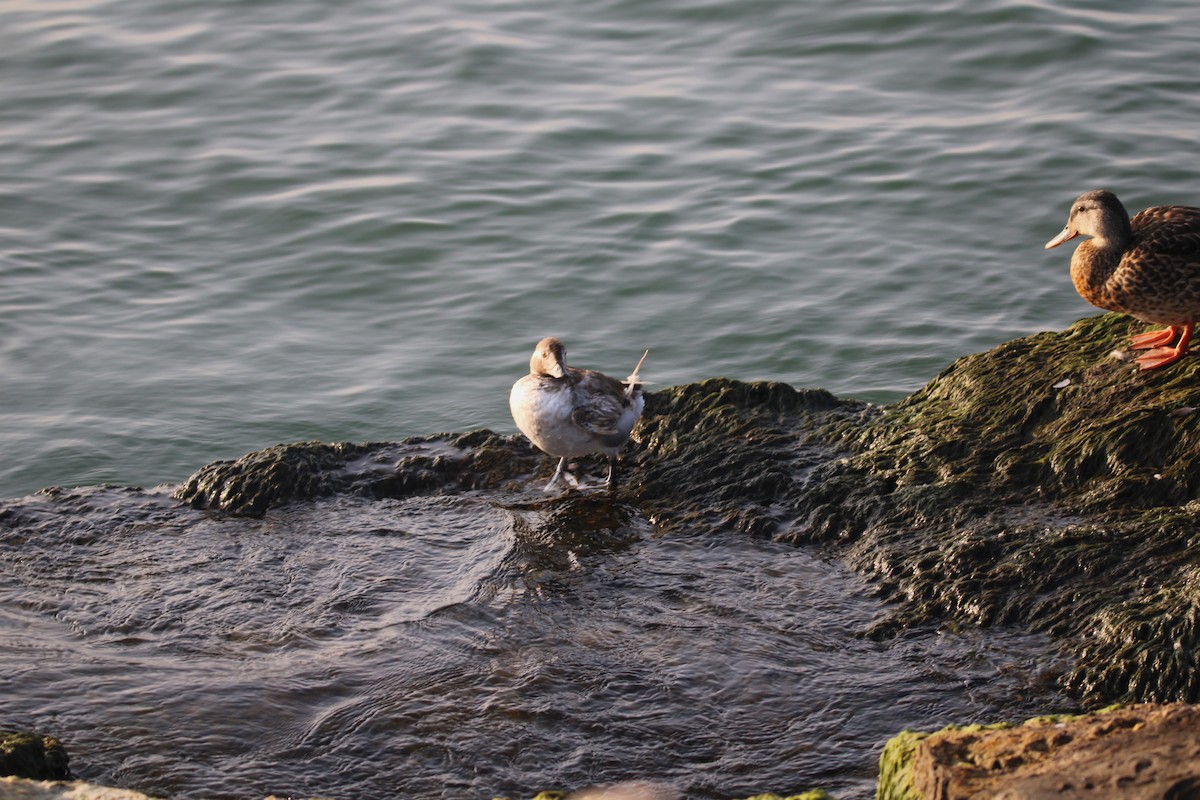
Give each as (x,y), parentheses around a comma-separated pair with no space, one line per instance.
(1098,214)
(549,358)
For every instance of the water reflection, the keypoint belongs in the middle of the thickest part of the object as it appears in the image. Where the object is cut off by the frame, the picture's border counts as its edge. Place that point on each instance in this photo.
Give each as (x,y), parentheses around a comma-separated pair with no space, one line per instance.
(557,535)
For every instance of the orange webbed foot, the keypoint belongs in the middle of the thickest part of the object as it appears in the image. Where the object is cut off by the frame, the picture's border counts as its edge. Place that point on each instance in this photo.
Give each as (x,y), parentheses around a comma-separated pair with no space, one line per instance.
(1162,356)
(1150,339)
(1159,357)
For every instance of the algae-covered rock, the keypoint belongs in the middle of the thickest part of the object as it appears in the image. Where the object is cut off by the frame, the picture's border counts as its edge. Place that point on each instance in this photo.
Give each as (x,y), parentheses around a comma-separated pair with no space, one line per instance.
(1044,483)
(1141,752)
(720,450)
(725,453)
(31,755)
(1056,414)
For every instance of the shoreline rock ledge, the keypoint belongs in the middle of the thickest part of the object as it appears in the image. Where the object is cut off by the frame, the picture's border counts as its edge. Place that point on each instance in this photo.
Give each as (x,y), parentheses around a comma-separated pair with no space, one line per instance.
(1043,483)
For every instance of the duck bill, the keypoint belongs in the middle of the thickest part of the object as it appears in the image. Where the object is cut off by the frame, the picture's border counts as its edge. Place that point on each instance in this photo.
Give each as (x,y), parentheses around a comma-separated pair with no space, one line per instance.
(558,367)
(1068,233)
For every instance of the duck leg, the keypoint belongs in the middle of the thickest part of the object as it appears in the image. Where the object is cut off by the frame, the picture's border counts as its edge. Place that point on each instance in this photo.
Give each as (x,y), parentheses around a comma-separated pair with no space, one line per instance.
(1162,356)
(1149,339)
(557,477)
(611,482)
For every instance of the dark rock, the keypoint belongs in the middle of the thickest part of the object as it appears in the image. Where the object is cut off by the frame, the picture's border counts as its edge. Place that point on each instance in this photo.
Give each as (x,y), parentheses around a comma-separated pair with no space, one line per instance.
(1044,484)
(991,496)
(29,755)
(726,453)
(290,473)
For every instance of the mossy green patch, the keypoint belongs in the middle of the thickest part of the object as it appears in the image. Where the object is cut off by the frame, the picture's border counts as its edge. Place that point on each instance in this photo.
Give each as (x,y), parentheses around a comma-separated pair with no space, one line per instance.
(895,767)
(1043,483)
(1055,414)
(33,756)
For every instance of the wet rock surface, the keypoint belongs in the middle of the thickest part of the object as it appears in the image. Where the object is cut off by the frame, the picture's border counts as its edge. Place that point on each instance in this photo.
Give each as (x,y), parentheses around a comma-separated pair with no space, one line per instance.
(1140,752)
(1044,483)
(31,755)
(290,473)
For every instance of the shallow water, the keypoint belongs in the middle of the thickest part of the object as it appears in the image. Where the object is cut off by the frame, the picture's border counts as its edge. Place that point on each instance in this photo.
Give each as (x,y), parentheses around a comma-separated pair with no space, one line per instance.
(463,647)
(232,225)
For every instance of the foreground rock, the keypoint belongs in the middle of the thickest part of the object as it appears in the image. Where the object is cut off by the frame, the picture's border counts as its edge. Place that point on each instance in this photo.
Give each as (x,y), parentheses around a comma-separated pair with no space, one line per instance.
(1043,484)
(24,789)
(32,755)
(1143,752)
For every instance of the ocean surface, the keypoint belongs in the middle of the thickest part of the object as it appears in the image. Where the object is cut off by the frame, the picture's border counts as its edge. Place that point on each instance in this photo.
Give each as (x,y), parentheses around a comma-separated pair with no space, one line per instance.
(229,225)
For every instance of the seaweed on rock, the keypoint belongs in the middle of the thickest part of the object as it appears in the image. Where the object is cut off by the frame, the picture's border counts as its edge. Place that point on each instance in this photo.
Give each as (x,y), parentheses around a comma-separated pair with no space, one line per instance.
(34,756)
(1043,483)
(722,452)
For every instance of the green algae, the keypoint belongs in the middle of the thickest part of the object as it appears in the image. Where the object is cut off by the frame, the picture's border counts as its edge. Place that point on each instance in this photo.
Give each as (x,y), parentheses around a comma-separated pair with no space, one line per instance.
(895,767)
(33,756)
(1044,484)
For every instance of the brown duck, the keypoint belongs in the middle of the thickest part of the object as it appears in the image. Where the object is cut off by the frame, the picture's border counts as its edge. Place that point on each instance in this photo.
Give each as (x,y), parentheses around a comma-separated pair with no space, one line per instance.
(1147,267)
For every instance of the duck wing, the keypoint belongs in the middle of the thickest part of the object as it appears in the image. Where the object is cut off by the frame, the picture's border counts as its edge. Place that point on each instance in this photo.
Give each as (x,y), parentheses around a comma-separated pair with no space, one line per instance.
(600,402)
(1167,230)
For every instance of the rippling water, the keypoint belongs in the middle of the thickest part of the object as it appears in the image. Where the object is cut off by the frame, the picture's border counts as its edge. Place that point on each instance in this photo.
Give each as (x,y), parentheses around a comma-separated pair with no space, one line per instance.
(229,225)
(462,647)
(236,224)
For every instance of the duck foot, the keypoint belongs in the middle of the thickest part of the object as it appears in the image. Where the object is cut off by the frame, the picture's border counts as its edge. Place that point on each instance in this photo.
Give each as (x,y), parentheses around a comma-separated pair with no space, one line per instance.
(1149,339)
(1162,356)
(561,478)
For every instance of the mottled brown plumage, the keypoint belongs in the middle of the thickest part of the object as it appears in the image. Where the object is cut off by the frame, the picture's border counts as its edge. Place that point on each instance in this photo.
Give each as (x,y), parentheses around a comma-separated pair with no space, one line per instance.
(1147,267)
